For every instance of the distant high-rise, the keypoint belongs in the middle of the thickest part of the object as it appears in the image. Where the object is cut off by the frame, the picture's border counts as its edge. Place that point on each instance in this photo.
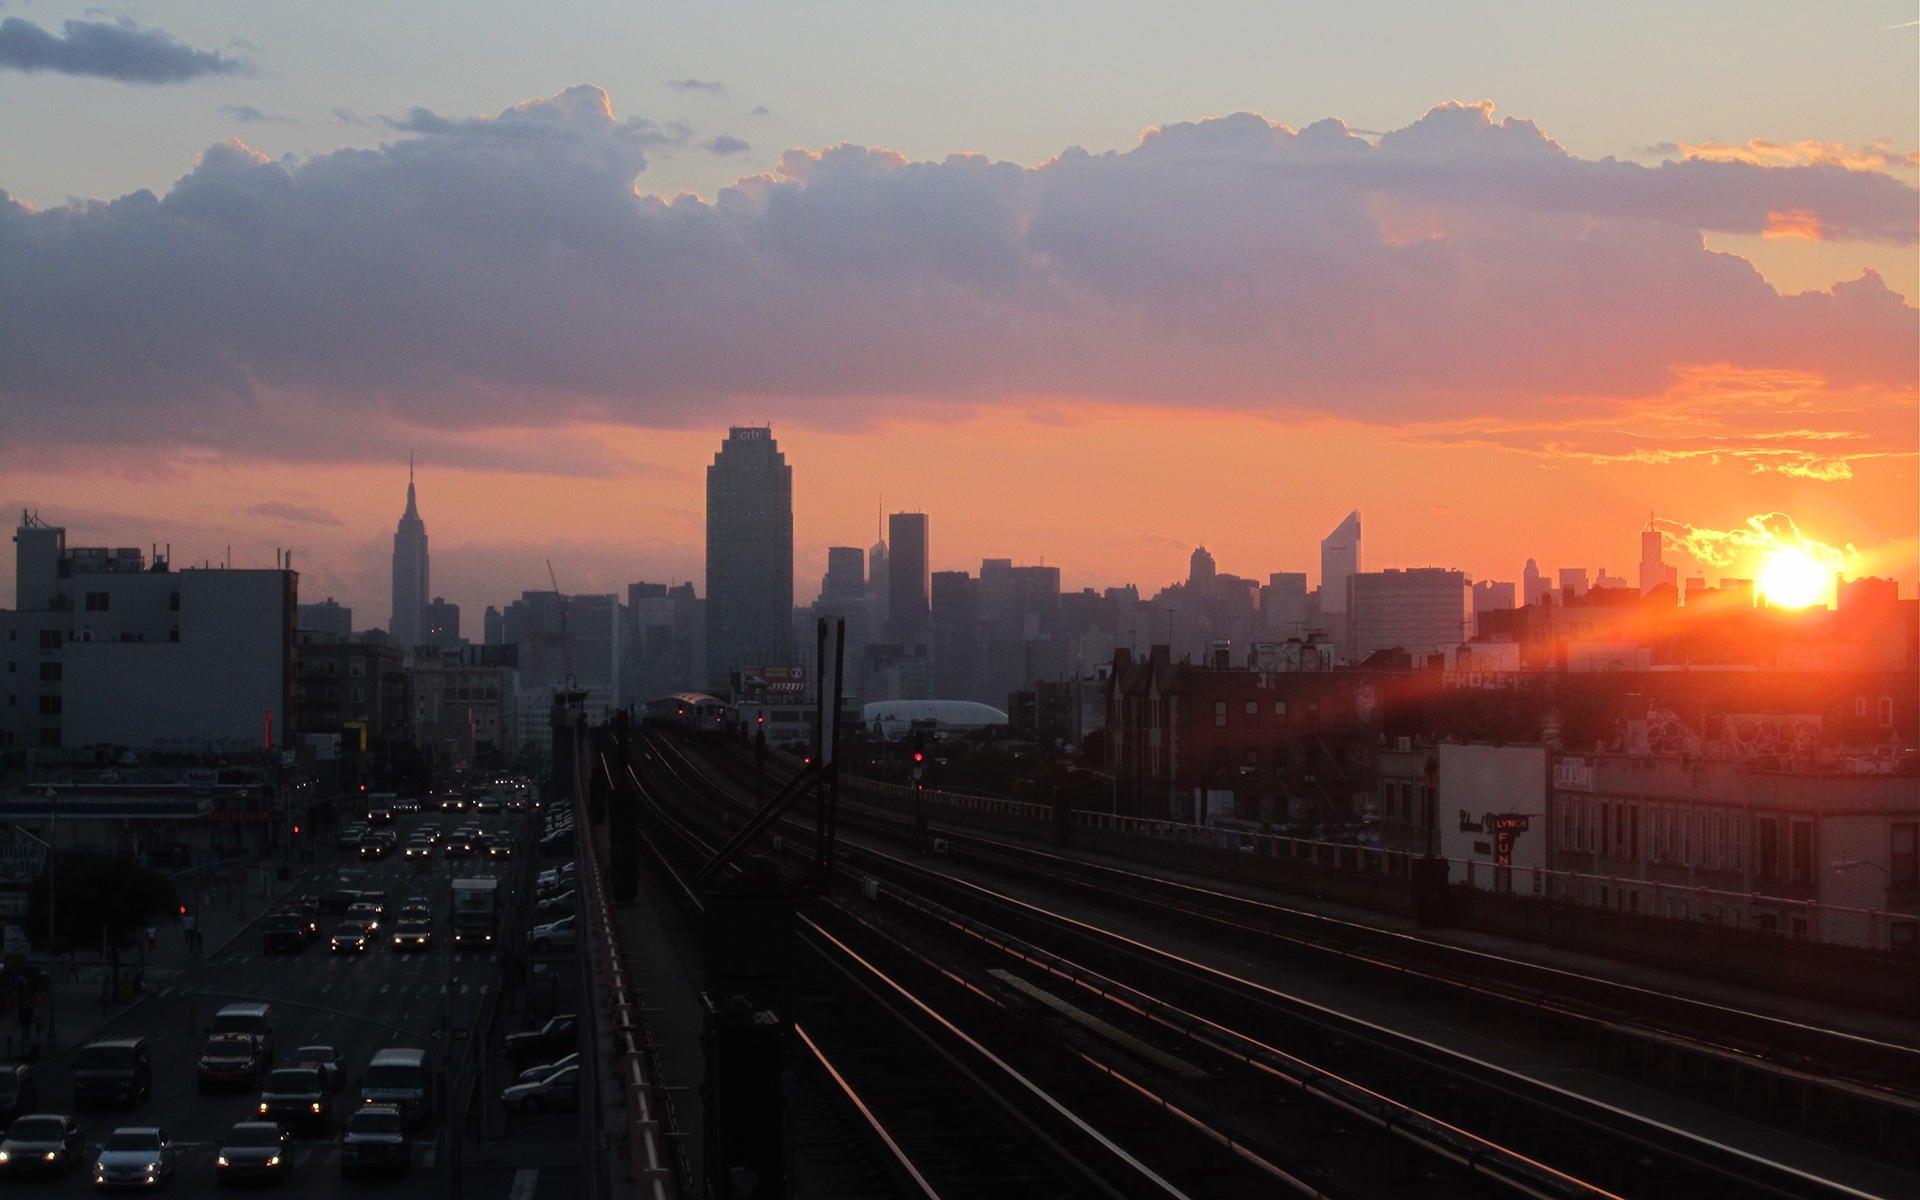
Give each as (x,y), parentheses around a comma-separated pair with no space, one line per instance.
(749,609)
(1339,559)
(328,617)
(877,583)
(1419,610)
(1653,568)
(408,626)
(907,578)
(846,577)
(494,625)
(1283,602)
(1201,573)
(442,624)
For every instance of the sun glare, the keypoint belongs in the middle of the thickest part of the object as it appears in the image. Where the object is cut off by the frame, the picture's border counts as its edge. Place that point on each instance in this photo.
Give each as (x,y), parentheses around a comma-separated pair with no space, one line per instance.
(1791,579)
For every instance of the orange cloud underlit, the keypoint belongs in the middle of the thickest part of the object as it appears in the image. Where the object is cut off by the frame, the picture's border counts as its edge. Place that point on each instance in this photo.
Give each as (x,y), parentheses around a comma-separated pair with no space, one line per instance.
(1794,223)
(1875,156)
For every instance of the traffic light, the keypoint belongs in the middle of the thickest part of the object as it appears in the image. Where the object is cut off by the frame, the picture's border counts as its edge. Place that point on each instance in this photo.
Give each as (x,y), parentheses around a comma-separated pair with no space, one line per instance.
(919,746)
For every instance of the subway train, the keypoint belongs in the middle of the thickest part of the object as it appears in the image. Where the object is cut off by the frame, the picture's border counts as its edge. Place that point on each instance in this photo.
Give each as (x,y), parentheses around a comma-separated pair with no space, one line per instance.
(695,712)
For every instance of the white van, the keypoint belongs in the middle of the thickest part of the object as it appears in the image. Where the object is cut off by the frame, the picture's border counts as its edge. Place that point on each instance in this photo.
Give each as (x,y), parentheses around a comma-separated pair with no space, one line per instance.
(255,1019)
(400,1076)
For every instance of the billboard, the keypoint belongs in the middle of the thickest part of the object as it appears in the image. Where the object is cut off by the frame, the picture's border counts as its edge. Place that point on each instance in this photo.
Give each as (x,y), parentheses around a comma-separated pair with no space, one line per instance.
(1492,810)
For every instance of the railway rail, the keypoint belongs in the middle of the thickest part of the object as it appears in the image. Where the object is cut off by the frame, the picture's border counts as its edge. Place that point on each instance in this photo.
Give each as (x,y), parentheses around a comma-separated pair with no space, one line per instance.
(1213,1055)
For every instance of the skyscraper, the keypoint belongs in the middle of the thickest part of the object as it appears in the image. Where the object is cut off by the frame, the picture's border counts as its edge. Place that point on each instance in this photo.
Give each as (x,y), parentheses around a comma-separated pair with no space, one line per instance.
(907,600)
(408,625)
(1339,558)
(1200,574)
(749,555)
(442,624)
(1653,568)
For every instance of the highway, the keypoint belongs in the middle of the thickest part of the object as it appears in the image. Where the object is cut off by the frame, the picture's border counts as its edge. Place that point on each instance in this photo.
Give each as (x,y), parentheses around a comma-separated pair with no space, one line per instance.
(358,1005)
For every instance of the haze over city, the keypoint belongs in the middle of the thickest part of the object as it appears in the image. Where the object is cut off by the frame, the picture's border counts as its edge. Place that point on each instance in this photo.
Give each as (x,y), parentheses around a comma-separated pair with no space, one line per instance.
(848,599)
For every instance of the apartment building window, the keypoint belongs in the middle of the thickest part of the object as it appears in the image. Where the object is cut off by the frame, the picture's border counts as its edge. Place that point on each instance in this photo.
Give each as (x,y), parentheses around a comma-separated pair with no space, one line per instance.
(1219,714)
(49,706)
(355,695)
(1906,853)
(1279,712)
(1253,714)
(1886,712)
(50,672)
(50,737)
(1252,758)
(357,667)
(1859,706)
(98,601)
(1802,851)
(1769,848)
(13,668)
(49,639)
(173,601)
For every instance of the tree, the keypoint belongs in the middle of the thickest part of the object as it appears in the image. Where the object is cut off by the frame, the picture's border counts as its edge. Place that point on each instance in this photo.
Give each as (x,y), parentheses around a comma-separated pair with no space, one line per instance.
(97,890)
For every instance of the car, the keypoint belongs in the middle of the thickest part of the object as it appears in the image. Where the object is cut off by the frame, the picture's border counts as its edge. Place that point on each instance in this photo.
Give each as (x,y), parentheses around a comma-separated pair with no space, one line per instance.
(376,898)
(559,1035)
(545,1069)
(134,1156)
(113,1071)
(296,1097)
(41,1144)
(416,910)
(558,843)
(282,933)
(556,906)
(375,849)
(231,1060)
(339,900)
(253,1152)
(350,938)
(253,1019)
(458,845)
(324,1059)
(557,1091)
(556,877)
(19,1090)
(554,935)
(366,915)
(499,848)
(376,1140)
(412,936)
(418,850)
(350,835)
(452,804)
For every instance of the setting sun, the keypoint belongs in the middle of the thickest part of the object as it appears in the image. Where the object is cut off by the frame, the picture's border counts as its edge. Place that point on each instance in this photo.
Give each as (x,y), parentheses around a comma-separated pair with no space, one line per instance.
(1792,580)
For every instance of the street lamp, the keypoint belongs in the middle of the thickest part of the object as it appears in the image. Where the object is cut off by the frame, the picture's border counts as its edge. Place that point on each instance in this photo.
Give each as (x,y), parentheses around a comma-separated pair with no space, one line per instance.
(1848,864)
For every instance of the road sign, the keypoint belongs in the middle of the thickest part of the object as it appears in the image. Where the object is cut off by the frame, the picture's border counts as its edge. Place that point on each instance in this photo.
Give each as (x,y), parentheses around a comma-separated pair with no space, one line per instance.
(13,903)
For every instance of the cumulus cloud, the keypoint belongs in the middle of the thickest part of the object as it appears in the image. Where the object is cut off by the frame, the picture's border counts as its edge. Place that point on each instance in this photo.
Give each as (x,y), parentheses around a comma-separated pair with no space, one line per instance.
(697,85)
(120,50)
(511,271)
(301,514)
(726,144)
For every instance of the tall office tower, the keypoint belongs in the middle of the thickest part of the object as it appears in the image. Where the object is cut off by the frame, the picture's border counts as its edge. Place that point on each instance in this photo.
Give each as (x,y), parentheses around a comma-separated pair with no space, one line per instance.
(1573,581)
(494,624)
(408,625)
(1419,610)
(1534,587)
(877,584)
(1339,558)
(846,578)
(443,624)
(1200,574)
(1283,603)
(749,606)
(1653,568)
(953,618)
(907,578)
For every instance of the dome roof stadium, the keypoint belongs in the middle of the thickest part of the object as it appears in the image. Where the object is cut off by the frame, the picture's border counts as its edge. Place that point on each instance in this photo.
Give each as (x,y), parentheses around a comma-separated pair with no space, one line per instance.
(896,717)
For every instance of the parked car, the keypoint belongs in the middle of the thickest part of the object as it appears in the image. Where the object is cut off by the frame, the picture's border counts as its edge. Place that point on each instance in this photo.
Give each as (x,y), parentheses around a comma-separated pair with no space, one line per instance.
(19,1091)
(376,1140)
(231,1060)
(41,1144)
(296,1097)
(556,935)
(557,1091)
(546,1069)
(559,1035)
(559,877)
(324,1059)
(556,906)
(113,1071)
(254,1151)
(134,1156)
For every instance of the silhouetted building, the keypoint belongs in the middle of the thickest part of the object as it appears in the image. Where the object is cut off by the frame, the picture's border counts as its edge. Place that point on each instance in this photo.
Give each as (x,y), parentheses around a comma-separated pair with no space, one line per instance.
(1533,586)
(1653,568)
(443,624)
(749,555)
(328,617)
(1339,558)
(1419,610)
(955,613)
(408,626)
(907,568)
(1200,573)
(495,626)
(1283,603)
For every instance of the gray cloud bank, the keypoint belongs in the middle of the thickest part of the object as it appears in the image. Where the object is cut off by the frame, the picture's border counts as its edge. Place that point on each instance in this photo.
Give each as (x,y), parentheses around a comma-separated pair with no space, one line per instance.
(508,272)
(120,50)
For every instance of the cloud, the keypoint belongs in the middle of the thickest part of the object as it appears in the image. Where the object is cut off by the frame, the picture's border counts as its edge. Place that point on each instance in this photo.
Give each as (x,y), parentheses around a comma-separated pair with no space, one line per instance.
(726,144)
(293,512)
(1761,534)
(247,114)
(759,110)
(696,85)
(1875,156)
(121,50)
(347,116)
(510,272)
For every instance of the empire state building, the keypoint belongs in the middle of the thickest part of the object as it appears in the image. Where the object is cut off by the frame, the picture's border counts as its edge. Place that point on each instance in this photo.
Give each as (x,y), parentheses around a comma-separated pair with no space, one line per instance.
(409,624)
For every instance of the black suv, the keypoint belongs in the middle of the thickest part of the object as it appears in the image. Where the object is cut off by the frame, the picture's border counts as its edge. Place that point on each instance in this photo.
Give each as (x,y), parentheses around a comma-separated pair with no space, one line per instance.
(283,933)
(113,1071)
(376,1140)
(297,1097)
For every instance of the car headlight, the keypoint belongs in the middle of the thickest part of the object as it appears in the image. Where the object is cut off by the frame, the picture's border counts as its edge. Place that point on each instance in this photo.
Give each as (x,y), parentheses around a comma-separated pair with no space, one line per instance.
(5,1155)
(52,1154)
(316,1106)
(222,1161)
(263,1106)
(274,1161)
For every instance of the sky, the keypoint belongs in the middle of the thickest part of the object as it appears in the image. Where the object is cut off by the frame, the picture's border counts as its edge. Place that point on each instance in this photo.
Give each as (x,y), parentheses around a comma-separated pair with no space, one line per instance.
(1090,284)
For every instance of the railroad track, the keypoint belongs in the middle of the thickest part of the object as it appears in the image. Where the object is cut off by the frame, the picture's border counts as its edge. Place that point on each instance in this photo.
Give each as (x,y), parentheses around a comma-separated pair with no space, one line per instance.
(1449,1114)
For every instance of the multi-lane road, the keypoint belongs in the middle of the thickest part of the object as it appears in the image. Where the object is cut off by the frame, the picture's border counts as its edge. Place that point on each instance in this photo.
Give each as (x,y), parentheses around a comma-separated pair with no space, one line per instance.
(358,1005)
